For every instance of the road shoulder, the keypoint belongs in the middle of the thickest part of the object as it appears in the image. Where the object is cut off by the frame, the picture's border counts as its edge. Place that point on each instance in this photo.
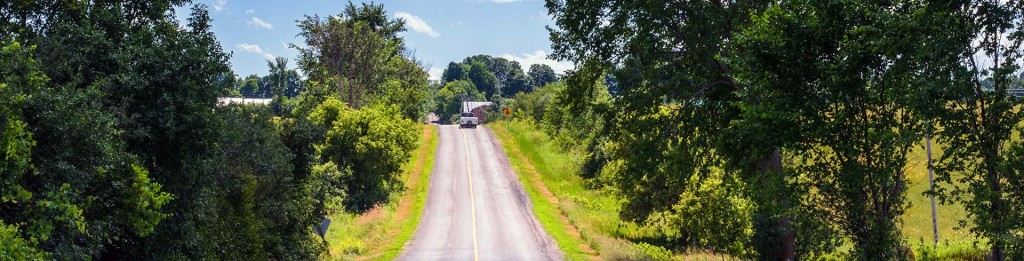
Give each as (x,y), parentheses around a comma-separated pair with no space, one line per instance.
(545,203)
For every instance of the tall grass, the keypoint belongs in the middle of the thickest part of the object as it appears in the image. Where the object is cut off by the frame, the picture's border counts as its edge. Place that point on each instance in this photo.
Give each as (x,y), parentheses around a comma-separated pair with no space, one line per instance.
(593,213)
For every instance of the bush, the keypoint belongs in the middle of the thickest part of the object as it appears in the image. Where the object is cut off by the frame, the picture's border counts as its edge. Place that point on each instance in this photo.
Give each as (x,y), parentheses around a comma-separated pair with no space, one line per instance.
(708,215)
(646,251)
(372,142)
(961,251)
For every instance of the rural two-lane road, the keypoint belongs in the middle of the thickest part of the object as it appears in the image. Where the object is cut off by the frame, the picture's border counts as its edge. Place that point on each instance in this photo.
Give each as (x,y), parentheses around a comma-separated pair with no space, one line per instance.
(476,208)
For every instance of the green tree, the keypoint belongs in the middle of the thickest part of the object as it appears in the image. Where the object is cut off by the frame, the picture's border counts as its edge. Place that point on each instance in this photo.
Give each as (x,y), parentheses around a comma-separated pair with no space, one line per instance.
(349,50)
(69,186)
(484,80)
(406,87)
(533,105)
(450,97)
(270,208)
(249,86)
(294,84)
(371,144)
(675,95)
(455,72)
(509,74)
(981,164)
(541,75)
(160,79)
(278,79)
(278,76)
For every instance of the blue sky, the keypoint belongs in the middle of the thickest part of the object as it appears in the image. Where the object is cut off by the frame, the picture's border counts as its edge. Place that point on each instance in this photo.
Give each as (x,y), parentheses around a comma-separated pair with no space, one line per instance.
(439,31)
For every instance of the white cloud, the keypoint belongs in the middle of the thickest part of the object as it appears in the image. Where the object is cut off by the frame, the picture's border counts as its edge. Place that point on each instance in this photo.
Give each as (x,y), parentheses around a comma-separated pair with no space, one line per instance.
(417,24)
(217,6)
(505,1)
(250,11)
(435,73)
(257,22)
(254,48)
(539,57)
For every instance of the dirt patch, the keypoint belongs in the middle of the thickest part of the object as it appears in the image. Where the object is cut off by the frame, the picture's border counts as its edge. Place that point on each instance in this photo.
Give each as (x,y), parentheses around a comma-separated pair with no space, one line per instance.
(374,214)
(413,181)
(534,178)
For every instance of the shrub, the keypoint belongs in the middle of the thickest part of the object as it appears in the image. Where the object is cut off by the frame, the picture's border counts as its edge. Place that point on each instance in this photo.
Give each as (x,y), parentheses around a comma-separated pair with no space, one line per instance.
(372,143)
(708,215)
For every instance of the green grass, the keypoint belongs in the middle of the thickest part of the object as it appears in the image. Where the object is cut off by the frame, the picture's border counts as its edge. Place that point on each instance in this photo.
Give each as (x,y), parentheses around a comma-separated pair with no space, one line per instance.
(917,220)
(594,213)
(547,213)
(380,233)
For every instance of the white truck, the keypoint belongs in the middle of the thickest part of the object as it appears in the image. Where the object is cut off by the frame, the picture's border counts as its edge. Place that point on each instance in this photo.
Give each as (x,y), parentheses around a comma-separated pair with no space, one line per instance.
(467,119)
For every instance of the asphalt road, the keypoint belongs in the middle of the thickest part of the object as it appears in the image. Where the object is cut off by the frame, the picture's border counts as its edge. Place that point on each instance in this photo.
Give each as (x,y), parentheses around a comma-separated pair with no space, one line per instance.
(476,208)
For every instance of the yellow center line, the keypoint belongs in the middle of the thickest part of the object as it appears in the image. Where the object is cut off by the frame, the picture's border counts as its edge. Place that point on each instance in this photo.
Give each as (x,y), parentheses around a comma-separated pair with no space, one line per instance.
(472,200)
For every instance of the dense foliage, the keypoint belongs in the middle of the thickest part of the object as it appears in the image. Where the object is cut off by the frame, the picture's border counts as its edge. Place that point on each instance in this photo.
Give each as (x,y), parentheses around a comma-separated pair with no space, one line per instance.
(115,147)
(807,108)
(981,45)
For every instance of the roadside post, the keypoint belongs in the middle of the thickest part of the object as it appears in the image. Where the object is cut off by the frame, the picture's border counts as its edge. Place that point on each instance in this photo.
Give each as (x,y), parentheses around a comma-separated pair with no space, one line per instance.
(507,114)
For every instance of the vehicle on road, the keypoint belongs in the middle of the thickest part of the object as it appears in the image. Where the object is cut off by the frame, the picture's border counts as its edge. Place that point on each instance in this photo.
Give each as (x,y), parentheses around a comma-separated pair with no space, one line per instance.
(468,120)
(471,113)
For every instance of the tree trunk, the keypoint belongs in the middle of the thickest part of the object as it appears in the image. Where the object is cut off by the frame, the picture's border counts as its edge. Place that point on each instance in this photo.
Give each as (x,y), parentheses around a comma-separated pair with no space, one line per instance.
(772,165)
(997,212)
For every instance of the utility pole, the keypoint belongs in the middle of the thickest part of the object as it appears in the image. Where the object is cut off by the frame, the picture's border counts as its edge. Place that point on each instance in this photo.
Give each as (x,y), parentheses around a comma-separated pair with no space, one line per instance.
(931,182)
(501,104)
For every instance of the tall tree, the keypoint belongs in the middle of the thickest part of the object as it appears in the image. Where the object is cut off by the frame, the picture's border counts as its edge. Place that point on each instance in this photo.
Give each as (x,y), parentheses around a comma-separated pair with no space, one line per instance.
(540,75)
(454,72)
(294,84)
(347,50)
(406,87)
(841,89)
(278,76)
(676,92)
(160,79)
(978,122)
(278,79)
(484,80)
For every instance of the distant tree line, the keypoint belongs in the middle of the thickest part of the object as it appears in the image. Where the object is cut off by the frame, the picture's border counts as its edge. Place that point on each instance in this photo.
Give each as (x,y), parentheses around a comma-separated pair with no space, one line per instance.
(254,86)
(486,78)
(114,147)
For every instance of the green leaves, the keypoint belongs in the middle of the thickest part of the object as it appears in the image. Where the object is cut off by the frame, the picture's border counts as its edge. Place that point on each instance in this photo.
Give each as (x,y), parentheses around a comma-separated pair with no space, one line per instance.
(789,97)
(450,97)
(66,177)
(13,247)
(371,143)
(146,195)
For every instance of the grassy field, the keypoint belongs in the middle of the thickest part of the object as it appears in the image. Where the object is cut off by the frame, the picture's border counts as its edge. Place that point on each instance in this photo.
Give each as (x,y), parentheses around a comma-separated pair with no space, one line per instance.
(582,221)
(593,214)
(918,220)
(380,233)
